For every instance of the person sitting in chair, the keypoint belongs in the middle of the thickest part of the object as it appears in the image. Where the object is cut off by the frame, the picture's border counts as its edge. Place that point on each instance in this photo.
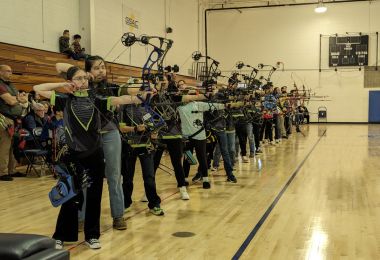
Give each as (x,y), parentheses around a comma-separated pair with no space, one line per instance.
(35,118)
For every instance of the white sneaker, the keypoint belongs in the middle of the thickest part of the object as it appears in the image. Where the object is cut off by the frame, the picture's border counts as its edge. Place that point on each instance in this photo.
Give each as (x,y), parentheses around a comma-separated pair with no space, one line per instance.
(93,243)
(245,159)
(58,244)
(214,169)
(184,194)
(277,141)
(144,198)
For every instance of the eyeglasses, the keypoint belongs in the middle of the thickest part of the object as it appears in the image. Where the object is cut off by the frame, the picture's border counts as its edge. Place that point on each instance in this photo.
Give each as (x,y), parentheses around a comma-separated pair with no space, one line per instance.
(81,78)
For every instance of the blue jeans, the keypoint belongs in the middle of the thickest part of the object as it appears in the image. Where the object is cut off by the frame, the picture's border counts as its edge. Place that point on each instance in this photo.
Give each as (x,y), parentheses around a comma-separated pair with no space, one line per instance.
(226,149)
(112,156)
(251,139)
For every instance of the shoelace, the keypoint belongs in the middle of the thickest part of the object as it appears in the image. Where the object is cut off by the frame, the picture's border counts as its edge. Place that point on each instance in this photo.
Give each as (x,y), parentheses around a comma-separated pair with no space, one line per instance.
(93,240)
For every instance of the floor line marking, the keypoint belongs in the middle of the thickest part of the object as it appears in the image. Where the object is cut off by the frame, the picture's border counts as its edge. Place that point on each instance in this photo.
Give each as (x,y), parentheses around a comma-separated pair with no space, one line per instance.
(258,225)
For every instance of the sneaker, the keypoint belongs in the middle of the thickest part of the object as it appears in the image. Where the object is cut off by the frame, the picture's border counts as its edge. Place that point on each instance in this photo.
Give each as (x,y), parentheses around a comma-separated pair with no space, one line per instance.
(252,155)
(245,159)
(277,141)
(258,150)
(93,243)
(128,209)
(58,244)
(144,198)
(6,178)
(214,169)
(184,194)
(157,211)
(284,137)
(272,143)
(206,185)
(119,224)
(231,178)
(197,177)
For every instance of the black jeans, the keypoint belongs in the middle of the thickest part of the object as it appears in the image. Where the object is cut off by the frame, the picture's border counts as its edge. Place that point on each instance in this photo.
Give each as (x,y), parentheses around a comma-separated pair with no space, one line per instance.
(307,118)
(200,149)
(210,148)
(267,127)
(288,124)
(67,222)
(256,133)
(175,148)
(242,134)
(277,127)
(129,159)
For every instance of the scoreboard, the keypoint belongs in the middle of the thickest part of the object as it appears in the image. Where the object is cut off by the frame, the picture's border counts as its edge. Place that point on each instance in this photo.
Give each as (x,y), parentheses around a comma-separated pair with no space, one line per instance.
(348,51)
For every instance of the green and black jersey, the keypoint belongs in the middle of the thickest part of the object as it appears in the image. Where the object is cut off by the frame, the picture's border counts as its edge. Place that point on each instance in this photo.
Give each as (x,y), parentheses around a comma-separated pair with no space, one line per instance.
(133,115)
(81,119)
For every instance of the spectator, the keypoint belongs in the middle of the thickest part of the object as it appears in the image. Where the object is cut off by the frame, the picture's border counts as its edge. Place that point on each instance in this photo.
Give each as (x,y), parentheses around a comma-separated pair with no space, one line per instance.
(10,107)
(78,50)
(36,118)
(64,45)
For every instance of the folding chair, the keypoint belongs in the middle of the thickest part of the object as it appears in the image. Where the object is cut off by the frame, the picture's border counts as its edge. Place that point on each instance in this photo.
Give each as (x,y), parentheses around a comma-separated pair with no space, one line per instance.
(322,113)
(37,152)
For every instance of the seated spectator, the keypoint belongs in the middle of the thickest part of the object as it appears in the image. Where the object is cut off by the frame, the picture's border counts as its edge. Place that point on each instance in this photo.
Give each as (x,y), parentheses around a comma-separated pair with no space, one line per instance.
(35,118)
(64,45)
(79,51)
(304,112)
(38,118)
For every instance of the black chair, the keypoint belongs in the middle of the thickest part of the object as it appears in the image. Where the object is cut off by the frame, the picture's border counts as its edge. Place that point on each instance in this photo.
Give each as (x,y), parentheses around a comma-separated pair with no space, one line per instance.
(38,151)
(29,247)
(322,114)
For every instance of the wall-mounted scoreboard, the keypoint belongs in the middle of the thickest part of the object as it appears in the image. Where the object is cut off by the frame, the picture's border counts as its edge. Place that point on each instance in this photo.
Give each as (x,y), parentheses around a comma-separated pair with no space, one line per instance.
(348,50)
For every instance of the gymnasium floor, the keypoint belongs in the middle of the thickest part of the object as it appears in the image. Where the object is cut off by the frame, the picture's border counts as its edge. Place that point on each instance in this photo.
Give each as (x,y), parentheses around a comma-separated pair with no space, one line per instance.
(330,209)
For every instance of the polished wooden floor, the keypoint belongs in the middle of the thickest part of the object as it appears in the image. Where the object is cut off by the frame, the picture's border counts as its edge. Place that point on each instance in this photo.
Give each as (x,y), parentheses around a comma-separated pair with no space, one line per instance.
(331,209)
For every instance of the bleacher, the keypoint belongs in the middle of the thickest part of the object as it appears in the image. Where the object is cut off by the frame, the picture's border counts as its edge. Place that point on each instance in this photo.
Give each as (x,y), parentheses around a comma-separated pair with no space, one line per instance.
(32,66)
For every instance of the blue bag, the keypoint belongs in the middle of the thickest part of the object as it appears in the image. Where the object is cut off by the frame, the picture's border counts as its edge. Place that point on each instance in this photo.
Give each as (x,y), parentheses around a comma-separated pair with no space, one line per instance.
(65,188)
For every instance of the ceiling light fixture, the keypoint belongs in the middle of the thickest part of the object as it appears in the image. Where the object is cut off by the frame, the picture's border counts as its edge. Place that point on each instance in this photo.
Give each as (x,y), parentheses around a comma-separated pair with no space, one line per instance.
(321,8)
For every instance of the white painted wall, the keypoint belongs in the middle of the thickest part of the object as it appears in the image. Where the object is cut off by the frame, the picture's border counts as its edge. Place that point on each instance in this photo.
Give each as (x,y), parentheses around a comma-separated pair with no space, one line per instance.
(154,16)
(37,23)
(291,35)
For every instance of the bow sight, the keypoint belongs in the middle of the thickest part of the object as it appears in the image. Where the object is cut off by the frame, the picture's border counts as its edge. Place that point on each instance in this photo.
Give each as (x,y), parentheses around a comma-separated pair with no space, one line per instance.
(210,73)
(271,71)
(156,57)
(249,79)
(173,68)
